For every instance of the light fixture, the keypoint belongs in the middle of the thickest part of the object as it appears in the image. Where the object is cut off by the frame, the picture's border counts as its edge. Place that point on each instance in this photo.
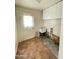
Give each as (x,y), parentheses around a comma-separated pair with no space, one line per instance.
(38,1)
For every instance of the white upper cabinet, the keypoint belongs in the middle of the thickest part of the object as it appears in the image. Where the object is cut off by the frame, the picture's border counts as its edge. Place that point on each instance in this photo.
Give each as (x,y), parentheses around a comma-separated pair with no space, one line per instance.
(53,12)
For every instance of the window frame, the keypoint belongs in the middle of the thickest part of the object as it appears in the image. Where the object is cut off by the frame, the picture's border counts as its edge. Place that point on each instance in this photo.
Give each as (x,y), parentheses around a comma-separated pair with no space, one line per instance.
(27,25)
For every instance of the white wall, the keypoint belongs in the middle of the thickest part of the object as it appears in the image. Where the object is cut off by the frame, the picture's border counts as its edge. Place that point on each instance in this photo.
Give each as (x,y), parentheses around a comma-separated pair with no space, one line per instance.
(55,24)
(53,11)
(52,18)
(60,56)
(16,40)
(22,32)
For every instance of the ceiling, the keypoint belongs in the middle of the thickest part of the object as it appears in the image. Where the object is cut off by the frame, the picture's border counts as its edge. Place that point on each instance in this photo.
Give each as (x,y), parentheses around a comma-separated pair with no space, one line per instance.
(36,4)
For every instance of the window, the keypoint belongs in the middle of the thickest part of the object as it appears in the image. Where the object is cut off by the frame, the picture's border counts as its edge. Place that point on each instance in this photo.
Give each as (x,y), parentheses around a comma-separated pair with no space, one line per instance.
(28,21)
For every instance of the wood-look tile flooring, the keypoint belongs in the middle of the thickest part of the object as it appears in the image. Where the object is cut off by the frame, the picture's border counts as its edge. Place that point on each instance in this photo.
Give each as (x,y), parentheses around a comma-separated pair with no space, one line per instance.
(33,49)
